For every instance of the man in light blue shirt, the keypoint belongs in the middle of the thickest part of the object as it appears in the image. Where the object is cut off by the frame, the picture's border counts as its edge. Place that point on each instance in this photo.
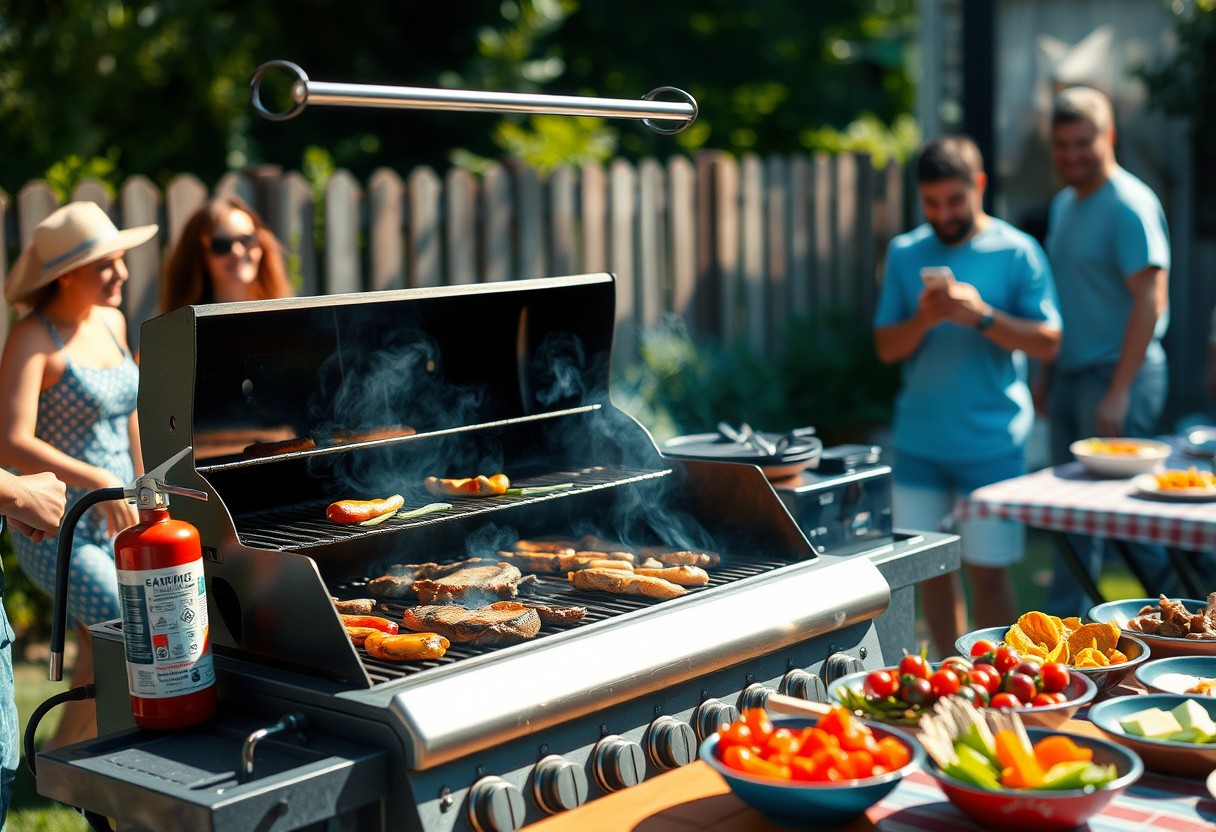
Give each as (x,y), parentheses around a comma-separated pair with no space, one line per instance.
(1110,252)
(965,298)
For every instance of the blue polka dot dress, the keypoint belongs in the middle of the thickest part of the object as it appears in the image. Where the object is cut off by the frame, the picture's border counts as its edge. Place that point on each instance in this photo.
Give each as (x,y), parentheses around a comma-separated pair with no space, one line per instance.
(86,415)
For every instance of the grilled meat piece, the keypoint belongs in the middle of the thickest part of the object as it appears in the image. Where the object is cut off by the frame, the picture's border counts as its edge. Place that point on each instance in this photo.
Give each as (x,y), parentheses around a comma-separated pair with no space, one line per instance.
(342,436)
(560,564)
(549,547)
(399,580)
(286,446)
(620,582)
(669,556)
(557,616)
(503,622)
(355,606)
(495,580)
(1172,620)
(682,575)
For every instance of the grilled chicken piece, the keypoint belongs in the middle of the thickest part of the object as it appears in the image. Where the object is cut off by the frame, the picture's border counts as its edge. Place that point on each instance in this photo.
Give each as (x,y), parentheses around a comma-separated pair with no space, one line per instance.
(548,547)
(681,557)
(355,606)
(560,564)
(503,622)
(619,582)
(682,575)
(495,580)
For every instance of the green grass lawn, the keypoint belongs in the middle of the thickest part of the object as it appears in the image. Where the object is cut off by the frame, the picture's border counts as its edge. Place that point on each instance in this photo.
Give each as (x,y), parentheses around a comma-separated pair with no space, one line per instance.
(30,812)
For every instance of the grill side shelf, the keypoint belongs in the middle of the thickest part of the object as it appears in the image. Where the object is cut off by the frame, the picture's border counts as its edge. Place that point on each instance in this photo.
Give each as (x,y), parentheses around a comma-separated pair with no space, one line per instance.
(304,526)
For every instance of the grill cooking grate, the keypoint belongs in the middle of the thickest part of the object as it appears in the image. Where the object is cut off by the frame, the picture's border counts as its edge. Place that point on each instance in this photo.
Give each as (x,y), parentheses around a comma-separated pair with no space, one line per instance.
(304,525)
(549,589)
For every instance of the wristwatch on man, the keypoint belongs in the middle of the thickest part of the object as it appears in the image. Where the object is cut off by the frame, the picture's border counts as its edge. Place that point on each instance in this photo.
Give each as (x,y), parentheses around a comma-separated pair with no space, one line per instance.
(985,320)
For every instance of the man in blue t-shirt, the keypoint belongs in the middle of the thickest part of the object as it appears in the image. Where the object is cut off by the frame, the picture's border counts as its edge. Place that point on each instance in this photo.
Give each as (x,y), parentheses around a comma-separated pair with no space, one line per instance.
(965,298)
(1110,252)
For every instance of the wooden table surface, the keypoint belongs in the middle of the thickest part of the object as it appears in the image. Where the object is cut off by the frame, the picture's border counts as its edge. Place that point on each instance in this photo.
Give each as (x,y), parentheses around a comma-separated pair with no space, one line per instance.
(694,797)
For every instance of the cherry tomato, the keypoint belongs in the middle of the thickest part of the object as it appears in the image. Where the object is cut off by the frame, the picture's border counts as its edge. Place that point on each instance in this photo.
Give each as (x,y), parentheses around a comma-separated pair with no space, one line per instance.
(958,664)
(1054,677)
(916,693)
(737,734)
(1029,667)
(981,647)
(944,682)
(1042,700)
(914,666)
(1020,685)
(882,683)
(1006,700)
(762,727)
(985,676)
(977,695)
(1007,658)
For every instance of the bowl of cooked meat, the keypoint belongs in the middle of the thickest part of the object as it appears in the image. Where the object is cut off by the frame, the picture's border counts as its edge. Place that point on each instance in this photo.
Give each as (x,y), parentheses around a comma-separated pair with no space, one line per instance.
(1170,627)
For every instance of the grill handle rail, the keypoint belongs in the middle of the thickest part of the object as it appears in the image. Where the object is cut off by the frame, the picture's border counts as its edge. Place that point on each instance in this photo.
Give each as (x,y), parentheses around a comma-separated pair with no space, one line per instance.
(295,723)
(305,91)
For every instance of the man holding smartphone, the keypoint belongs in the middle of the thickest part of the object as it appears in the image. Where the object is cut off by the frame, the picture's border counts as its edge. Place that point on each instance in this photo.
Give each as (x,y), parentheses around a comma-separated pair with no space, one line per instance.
(965,299)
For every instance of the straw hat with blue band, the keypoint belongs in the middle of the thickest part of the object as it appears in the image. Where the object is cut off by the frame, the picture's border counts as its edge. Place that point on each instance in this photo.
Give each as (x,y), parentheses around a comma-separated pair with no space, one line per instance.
(75,235)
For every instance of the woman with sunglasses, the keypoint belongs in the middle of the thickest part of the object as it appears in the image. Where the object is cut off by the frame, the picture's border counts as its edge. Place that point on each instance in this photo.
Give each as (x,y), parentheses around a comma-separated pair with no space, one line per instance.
(225,253)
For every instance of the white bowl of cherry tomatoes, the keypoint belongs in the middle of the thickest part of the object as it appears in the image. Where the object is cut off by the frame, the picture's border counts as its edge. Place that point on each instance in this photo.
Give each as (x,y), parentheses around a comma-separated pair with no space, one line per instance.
(1044,695)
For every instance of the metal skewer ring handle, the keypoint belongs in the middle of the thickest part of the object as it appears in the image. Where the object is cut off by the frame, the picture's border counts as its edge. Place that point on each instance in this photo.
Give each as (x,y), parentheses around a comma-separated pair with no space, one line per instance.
(305,92)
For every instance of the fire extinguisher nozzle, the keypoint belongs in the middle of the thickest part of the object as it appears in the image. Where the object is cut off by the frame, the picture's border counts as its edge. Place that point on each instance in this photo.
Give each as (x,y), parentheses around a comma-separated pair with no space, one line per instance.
(56,673)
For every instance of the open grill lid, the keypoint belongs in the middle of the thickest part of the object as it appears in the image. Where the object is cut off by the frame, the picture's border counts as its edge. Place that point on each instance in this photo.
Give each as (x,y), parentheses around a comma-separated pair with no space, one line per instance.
(507,377)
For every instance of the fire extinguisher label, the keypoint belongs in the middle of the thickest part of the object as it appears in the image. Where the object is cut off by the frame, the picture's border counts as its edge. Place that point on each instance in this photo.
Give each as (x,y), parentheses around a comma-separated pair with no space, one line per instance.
(165,630)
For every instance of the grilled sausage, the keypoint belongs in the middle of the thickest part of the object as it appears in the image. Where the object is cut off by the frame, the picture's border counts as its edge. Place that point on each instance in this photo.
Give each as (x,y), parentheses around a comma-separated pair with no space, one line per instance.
(682,575)
(373,621)
(406,647)
(480,486)
(356,511)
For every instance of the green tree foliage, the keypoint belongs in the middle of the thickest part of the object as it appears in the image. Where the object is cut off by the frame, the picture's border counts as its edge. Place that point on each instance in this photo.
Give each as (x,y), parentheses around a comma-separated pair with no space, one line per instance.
(115,87)
(1186,84)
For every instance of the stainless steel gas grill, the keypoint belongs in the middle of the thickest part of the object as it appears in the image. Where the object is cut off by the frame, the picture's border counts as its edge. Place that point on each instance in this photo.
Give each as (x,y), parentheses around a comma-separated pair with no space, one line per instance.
(292,404)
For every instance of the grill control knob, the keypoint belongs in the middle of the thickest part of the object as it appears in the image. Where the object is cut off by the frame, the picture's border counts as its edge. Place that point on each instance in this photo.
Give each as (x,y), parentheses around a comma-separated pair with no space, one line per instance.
(840,664)
(559,784)
(802,685)
(495,806)
(754,696)
(671,743)
(619,763)
(710,714)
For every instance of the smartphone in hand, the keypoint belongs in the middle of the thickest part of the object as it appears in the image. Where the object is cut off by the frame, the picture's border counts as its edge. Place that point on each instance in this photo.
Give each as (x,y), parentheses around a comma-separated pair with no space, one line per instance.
(936,276)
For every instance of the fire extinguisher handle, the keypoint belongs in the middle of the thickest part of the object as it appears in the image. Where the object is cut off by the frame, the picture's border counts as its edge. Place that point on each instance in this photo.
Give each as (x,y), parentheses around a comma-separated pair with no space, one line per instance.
(67,530)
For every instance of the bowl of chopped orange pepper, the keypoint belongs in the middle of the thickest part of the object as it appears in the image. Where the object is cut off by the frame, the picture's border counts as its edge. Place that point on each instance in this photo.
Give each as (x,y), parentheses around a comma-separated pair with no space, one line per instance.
(808,773)
(1046,781)
(1120,457)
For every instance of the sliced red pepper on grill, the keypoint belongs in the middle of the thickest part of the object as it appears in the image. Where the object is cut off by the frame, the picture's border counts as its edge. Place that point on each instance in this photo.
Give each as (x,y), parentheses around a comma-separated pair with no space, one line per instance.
(481,486)
(356,511)
(375,621)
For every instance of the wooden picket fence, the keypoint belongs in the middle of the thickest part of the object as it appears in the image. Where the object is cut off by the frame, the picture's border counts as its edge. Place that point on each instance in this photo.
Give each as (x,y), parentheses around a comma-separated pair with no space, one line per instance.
(736,247)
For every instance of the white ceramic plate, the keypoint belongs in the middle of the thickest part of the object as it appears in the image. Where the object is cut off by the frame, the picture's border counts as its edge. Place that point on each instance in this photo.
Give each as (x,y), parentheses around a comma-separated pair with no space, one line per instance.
(1146,485)
(1212,784)
(1150,456)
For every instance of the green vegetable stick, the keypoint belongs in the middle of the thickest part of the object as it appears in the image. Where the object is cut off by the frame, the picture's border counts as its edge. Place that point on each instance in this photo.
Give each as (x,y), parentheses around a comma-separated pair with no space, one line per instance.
(376,521)
(538,490)
(429,508)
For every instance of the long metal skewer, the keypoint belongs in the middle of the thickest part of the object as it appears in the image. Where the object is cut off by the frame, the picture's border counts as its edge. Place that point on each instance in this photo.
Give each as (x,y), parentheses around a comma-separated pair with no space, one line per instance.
(305,92)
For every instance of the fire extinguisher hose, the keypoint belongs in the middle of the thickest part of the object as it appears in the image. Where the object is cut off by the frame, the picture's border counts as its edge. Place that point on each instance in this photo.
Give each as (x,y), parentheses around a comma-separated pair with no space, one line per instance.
(67,530)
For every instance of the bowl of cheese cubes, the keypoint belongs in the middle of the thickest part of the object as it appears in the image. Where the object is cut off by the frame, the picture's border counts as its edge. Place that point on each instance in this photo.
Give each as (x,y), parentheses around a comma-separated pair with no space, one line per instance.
(1172,733)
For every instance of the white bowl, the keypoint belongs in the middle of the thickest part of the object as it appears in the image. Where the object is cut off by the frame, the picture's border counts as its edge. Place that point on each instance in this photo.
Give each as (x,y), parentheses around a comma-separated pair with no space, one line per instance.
(1150,456)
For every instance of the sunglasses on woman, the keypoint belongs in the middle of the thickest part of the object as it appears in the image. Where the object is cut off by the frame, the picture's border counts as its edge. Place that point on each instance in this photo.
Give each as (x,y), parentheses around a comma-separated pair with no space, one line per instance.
(222,246)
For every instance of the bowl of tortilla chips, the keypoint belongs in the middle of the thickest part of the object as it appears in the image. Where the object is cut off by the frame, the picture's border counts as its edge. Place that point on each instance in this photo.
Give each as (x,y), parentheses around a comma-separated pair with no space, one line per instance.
(1101,652)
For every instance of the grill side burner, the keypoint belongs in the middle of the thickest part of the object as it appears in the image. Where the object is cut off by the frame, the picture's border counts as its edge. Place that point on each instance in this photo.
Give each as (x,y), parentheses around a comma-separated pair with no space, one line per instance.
(508,377)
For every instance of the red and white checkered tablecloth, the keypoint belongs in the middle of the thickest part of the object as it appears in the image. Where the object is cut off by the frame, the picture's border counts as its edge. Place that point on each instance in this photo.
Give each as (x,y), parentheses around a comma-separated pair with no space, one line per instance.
(1068,499)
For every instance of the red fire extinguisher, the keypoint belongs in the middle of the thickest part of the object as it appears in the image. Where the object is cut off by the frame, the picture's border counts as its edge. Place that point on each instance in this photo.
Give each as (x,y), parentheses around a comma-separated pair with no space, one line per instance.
(163,597)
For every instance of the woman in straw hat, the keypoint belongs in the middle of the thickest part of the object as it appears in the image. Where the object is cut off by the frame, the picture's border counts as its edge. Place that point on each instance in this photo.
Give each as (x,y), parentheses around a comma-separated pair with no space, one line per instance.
(69,408)
(225,253)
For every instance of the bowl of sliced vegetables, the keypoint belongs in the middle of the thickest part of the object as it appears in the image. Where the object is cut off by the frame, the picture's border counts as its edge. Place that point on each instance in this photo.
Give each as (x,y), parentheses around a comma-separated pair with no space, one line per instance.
(810,773)
(1007,776)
